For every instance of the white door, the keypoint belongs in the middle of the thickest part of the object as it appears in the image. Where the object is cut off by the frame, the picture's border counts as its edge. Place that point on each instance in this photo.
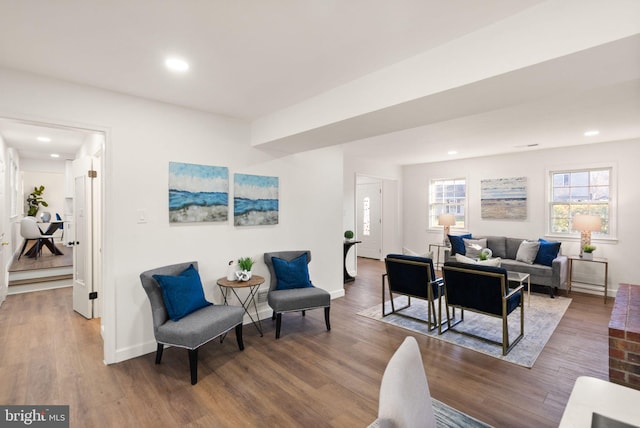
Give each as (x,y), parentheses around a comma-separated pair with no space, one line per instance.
(369,219)
(4,232)
(83,238)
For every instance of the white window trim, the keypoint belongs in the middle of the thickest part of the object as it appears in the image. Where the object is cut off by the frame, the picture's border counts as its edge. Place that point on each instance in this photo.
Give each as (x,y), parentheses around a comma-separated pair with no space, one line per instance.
(613,201)
(437,227)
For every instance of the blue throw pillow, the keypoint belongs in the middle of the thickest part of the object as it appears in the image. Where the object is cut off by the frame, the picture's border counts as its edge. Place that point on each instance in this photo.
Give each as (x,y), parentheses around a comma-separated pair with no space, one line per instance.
(457,244)
(547,252)
(182,294)
(292,274)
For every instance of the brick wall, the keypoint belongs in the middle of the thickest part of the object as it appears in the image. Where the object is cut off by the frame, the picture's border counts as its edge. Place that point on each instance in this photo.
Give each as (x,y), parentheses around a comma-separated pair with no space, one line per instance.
(624,337)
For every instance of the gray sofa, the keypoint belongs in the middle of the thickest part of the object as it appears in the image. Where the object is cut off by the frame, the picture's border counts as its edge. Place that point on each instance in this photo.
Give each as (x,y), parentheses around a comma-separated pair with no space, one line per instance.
(554,276)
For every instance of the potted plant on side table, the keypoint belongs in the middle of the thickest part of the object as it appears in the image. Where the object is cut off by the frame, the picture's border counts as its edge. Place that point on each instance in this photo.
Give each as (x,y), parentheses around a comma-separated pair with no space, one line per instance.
(245,264)
(587,251)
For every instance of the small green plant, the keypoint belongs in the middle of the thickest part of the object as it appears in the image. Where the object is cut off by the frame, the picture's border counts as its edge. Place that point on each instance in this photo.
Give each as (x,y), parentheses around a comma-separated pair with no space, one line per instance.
(483,256)
(348,234)
(34,200)
(589,248)
(245,263)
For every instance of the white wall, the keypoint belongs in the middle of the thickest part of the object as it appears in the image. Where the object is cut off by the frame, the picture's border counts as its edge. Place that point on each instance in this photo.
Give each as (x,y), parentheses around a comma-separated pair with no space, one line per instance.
(142,138)
(534,165)
(54,187)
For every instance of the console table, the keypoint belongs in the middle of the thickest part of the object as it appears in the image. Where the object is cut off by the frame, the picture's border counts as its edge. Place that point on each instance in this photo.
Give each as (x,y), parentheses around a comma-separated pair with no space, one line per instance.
(347,246)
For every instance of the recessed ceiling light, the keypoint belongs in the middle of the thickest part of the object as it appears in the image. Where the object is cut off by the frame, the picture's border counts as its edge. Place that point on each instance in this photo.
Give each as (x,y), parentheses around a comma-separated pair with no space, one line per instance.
(176,64)
(452,152)
(44,139)
(591,133)
(55,155)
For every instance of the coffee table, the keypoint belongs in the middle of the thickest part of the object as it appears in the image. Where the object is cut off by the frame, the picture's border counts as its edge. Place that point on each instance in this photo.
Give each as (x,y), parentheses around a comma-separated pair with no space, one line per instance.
(520,277)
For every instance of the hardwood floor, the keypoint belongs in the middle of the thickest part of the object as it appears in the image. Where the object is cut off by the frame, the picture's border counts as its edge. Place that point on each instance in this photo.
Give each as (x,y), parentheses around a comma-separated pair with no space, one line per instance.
(309,377)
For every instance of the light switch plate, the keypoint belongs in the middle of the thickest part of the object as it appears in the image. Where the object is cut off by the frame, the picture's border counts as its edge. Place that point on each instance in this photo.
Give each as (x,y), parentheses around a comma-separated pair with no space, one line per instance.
(142,216)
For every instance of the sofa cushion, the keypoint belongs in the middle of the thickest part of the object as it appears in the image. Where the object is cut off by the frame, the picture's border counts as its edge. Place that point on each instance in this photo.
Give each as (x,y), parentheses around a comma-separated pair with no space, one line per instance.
(489,262)
(473,247)
(497,245)
(457,243)
(182,294)
(547,252)
(512,245)
(527,251)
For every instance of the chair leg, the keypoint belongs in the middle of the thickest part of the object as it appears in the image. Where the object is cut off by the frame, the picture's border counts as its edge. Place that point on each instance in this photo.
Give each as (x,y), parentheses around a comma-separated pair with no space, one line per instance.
(304,313)
(193,365)
(159,353)
(326,318)
(239,336)
(278,324)
(273,315)
(23,247)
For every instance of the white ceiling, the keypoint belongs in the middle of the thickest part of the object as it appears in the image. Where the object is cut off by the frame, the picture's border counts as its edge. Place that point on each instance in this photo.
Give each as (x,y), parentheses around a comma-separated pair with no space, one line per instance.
(250,58)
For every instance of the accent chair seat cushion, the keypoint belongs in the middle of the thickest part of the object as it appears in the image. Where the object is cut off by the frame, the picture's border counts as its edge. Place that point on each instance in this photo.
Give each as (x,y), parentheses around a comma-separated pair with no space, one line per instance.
(298,298)
(200,326)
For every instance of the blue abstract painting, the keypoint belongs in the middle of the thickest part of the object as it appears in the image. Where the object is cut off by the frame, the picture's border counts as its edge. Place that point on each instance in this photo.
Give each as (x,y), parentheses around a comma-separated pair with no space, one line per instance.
(255,200)
(198,193)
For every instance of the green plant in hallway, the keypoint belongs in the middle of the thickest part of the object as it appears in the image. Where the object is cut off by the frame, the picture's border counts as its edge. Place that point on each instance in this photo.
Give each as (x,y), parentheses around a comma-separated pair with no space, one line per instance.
(348,234)
(34,200)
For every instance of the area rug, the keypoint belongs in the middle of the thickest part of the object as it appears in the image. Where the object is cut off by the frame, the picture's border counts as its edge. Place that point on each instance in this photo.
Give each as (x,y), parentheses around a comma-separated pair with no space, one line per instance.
(447,416)
(541,318)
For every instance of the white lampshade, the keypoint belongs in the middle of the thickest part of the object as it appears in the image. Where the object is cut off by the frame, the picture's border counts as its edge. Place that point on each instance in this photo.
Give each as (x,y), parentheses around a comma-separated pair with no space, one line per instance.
(587,223)
(446,220)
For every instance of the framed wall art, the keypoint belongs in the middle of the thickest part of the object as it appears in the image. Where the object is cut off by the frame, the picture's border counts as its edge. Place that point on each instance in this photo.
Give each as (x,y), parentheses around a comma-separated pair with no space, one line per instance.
(255,200)
(198,193)
(504,198)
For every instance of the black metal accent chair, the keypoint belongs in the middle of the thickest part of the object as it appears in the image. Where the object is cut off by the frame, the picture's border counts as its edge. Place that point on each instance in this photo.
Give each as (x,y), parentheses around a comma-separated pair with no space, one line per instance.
(413,276)
(193,330)
(294,299)
(485,290)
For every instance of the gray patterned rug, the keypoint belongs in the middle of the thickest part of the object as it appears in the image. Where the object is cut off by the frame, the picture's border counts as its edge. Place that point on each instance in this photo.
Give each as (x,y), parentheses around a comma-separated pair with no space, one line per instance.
(540,320)
(447,416)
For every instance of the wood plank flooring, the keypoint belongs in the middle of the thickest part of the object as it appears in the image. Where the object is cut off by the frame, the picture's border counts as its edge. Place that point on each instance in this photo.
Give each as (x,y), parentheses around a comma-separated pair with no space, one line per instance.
(309,377)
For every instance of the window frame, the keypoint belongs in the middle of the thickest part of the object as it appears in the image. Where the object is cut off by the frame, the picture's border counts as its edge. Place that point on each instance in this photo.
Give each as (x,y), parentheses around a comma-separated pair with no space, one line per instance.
(612,203)
(432,218)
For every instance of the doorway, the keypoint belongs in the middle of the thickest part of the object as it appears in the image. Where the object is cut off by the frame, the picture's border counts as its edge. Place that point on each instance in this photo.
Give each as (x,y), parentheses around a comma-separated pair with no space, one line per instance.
(369,217)
(70,144)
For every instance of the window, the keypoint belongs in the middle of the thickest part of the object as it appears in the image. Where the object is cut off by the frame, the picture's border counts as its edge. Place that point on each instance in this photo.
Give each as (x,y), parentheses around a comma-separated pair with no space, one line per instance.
(366,216)
(448,196)
(586,191)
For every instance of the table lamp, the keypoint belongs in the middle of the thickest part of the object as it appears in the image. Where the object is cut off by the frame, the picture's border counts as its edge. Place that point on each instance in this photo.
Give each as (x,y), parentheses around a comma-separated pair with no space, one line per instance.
(586,224)
(446,220)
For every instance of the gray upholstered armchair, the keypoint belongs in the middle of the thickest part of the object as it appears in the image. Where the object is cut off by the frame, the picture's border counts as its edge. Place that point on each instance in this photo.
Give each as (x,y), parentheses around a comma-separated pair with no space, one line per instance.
(483,289)
(290,289)
(181,315)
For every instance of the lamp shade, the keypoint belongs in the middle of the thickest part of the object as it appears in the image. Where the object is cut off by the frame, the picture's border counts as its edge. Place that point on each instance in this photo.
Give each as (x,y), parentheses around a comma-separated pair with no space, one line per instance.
(446,220)
(590,223)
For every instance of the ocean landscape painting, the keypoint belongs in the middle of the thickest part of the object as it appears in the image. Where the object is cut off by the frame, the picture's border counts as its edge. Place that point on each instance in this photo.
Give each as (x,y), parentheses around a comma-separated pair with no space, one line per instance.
(255,200)
(504,198)
(198,193)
